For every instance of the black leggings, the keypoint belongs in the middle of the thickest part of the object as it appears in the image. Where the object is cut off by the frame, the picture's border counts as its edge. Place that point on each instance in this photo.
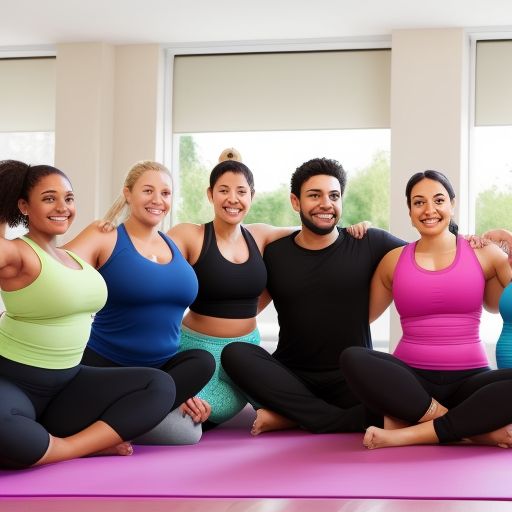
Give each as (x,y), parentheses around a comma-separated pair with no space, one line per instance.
(190,370)
(318,401)
(36,402)
(477,400)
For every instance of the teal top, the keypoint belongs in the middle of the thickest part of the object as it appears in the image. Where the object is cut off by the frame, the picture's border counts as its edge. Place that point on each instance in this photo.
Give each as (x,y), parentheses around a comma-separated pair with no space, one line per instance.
(47,323)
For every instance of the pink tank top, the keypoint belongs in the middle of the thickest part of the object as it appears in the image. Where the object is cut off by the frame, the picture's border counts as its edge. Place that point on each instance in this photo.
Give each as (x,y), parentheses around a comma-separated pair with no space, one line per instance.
(440,311)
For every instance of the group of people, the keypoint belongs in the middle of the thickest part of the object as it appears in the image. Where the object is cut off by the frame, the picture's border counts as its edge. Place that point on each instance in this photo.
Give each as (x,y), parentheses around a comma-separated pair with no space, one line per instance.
(174,348)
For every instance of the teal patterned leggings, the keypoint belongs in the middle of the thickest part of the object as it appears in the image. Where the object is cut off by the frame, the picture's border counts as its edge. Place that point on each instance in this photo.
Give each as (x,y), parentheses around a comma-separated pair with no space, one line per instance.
(220,392)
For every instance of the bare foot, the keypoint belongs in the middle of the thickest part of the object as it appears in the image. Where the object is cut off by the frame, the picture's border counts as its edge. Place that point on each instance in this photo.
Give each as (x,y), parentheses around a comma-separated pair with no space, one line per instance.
(380,438)
(501,437)
(268,420)
(59,449)
(123,449)
(391,423)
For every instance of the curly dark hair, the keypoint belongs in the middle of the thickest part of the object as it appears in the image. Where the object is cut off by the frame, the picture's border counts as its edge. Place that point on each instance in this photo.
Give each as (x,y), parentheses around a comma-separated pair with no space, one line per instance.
(17,179)
(315,167)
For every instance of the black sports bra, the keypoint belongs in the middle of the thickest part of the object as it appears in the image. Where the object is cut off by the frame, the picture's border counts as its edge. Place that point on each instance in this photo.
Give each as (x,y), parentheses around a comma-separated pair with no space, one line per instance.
(227,289)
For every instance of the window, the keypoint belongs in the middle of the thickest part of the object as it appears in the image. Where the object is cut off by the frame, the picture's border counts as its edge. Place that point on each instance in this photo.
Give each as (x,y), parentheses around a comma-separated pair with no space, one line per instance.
(31,147)
(27,110)
(492,153)
(279,110)
(27,113)
(273,156)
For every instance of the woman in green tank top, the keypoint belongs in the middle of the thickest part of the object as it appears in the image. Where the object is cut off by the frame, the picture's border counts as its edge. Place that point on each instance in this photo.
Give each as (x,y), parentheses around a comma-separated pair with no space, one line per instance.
(50,295)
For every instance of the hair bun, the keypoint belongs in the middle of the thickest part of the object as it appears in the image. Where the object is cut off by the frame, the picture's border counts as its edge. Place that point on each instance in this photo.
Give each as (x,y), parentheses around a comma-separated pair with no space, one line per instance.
(230,154)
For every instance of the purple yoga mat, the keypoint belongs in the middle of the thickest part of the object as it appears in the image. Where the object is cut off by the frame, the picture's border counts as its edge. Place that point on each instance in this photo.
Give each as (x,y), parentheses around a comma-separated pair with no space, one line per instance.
(229,463)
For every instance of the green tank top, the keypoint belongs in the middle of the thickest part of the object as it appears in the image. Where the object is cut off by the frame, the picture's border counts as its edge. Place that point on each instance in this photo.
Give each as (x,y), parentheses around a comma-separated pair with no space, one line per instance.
(47,323)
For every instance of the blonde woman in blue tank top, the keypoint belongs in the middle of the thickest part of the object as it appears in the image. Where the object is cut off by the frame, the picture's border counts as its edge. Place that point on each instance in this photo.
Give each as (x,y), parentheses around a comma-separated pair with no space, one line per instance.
(150,284)
(52,408)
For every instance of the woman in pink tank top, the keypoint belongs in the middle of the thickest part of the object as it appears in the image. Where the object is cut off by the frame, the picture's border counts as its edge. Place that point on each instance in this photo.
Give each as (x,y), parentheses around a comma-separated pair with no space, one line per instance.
(437,387)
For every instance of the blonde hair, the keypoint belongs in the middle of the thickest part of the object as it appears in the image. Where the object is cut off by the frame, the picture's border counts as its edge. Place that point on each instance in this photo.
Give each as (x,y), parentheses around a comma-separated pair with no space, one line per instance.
(120,206)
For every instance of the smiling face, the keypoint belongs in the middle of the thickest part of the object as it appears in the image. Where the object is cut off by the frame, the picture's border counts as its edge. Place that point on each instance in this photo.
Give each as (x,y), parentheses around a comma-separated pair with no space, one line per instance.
(319,204)
(150,197)
(50,206)
(231,197)
(431,208)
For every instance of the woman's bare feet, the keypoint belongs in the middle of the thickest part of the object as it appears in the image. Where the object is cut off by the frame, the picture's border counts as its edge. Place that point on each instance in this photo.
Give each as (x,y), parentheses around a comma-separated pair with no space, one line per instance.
(123,449)
(501,437)
(88,442)
(375,437)
(267,420)
(422,433)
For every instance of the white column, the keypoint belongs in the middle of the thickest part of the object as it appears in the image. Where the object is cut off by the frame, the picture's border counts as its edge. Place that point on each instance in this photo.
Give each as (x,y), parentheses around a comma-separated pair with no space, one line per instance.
(429,119)
(138,113)
(83,125)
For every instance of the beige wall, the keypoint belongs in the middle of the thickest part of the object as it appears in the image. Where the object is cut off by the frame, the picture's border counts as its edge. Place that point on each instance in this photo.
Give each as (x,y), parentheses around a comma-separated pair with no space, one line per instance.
(108,115)
(83,123)
(429,118)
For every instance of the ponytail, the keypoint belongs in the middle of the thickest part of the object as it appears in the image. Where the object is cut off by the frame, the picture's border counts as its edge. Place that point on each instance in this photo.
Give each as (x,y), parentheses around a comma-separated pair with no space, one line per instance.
(453,227)
(114,212)
(13,179)
(17,179)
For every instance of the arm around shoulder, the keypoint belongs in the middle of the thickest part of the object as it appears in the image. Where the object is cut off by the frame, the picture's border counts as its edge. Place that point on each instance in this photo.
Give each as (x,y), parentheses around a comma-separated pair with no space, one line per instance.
(265,234)
(383,241)
(381,291)
(499,235)
(92,242)
(498,276)
(188,237)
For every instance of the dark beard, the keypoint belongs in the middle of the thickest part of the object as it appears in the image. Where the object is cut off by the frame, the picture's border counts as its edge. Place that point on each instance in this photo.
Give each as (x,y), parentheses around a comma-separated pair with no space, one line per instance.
(313,227)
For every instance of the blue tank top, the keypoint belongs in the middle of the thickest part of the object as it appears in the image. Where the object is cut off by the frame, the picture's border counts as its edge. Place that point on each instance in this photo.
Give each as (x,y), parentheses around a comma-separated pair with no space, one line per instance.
(140,323)
(504,343)
(227,289)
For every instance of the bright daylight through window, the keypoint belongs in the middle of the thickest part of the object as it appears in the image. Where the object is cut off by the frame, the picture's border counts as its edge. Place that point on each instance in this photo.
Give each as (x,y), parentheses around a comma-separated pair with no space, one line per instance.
(273,156)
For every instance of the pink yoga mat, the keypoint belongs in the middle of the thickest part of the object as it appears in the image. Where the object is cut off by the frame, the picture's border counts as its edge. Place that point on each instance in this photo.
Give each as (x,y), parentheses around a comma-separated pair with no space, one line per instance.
(229,463)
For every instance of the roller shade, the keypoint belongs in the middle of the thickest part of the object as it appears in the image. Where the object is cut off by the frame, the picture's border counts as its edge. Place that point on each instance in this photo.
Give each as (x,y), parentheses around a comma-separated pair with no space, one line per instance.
(27,95)
(282,91)
(493,88)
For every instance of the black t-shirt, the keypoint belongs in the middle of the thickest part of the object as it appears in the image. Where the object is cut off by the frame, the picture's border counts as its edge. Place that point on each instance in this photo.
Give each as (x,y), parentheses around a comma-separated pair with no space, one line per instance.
(321,296)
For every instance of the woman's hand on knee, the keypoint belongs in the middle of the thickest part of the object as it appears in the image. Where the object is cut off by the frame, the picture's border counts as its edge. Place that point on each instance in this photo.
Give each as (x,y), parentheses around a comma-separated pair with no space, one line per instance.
(197,408)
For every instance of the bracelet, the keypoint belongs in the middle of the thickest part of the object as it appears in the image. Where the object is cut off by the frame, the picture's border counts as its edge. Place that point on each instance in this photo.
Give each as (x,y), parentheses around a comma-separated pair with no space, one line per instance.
(432,408)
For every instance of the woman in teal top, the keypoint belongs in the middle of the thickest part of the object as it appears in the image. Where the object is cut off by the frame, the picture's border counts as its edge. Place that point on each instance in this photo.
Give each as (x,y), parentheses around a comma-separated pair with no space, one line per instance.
(52,408)
(503,238)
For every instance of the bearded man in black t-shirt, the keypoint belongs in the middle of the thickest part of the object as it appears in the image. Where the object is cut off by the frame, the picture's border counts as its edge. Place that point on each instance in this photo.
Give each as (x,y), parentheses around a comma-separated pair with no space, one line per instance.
(319,279)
